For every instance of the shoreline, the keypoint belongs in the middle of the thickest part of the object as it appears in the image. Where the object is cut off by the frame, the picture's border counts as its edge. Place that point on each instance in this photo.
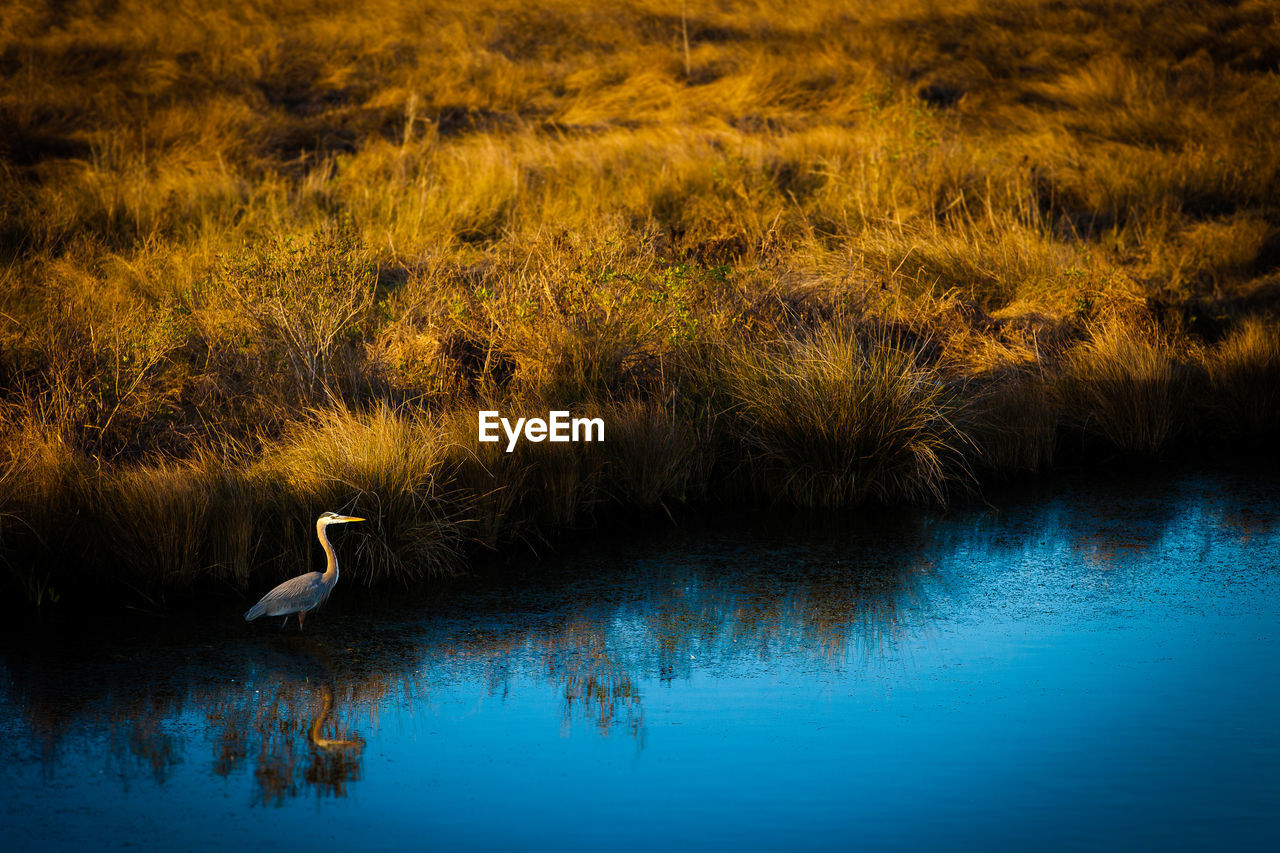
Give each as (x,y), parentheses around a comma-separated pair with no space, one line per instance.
(174,592)
(620,534)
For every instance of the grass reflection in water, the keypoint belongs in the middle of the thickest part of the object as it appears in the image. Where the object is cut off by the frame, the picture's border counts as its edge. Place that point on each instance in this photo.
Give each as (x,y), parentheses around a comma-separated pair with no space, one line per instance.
(296,711)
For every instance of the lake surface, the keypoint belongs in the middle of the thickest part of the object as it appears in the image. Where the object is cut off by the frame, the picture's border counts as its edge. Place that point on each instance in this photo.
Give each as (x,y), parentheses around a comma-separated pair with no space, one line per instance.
(1093,665)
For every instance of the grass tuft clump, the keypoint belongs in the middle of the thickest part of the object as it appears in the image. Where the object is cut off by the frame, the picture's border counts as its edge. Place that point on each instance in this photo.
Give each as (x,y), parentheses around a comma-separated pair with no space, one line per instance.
(1130,388)
(1244,370)
(1014,420)
(838,418)
(42,484)
(655,457)
(174,525)
(383,465)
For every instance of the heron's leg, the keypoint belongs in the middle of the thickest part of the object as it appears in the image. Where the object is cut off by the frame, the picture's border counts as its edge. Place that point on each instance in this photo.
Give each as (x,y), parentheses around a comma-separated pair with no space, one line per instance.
(285,622)
(302,615)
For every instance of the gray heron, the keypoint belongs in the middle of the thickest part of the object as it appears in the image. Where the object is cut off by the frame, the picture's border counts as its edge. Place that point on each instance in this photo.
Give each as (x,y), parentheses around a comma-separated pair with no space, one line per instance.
(305,592)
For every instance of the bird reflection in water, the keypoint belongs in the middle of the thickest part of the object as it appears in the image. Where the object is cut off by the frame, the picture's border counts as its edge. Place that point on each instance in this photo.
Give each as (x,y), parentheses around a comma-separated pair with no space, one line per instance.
(294,757)
(297,740)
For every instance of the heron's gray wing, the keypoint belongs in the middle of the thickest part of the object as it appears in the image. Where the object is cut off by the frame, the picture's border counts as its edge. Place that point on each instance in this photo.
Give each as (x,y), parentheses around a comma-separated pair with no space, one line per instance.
(300,593)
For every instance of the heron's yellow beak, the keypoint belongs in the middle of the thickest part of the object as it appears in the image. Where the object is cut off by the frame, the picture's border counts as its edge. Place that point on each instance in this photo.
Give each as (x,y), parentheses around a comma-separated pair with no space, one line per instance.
(351,518)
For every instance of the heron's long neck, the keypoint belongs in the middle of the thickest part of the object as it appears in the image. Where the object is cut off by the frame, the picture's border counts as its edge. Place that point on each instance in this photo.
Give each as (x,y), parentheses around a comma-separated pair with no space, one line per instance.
(331,569)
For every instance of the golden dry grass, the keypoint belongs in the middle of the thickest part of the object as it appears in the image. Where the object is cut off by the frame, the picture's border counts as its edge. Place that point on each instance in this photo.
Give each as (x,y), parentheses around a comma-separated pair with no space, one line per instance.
(324,234)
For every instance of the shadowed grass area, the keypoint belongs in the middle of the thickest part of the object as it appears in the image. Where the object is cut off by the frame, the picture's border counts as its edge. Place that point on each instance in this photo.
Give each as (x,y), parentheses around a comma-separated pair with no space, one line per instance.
(1244,371)
(258,262)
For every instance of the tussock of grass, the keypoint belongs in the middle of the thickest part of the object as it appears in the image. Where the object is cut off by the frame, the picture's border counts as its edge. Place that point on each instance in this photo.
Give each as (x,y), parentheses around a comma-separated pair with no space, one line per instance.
(838,418)
(173,525)
(1132,391)
(380,465)
(528,493)
(655,457)
(44,482)
(1012,421)
(1244,372)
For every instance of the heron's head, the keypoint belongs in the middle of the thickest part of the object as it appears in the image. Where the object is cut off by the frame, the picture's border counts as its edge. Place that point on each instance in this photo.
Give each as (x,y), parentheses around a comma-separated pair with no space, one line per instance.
(333,518)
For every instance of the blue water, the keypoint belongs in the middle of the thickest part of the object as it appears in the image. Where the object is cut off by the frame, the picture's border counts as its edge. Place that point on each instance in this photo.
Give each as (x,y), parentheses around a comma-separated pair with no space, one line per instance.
(1091,666)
